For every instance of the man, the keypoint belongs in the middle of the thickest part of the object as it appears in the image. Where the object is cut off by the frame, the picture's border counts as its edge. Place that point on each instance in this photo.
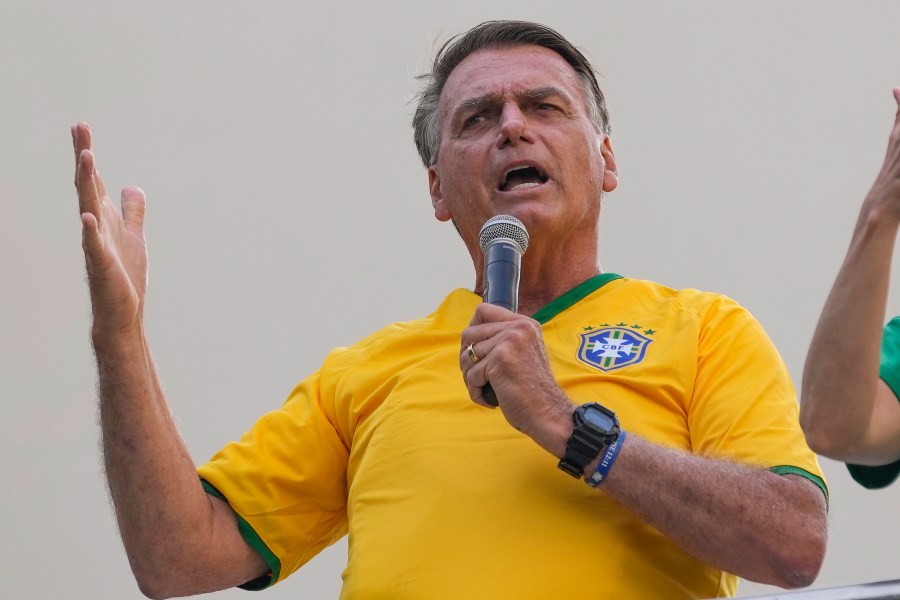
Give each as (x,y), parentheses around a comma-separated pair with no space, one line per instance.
(704,477)
(848,412)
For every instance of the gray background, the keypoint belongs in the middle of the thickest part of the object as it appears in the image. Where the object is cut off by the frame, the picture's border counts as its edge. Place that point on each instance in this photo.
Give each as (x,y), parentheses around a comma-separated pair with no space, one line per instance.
(288,213)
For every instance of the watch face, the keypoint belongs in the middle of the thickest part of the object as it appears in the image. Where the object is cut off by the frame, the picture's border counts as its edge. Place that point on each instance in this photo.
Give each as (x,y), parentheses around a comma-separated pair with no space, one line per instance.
(599,419)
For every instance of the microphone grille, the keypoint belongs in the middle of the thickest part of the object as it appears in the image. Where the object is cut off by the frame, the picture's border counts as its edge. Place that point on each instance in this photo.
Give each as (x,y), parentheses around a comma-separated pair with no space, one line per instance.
(503,226)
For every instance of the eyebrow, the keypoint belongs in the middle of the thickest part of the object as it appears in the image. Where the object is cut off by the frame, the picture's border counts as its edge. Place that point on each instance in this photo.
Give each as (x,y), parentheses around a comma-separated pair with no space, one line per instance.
(546,92)
(494,98)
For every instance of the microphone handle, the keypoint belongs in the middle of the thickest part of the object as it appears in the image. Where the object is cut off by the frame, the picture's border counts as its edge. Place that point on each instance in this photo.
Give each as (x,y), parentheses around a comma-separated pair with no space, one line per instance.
(488,395)
(501,287)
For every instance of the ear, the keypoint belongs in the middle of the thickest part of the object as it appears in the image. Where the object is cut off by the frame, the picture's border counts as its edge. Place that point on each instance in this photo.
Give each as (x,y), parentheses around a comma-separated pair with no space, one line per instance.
(610,171)
(441,211)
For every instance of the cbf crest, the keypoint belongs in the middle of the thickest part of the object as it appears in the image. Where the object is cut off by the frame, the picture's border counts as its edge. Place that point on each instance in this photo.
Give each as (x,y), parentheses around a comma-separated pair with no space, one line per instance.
(611,348)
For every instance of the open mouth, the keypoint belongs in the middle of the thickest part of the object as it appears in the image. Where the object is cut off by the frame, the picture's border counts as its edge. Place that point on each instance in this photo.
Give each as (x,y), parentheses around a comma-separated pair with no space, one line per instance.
(521,178)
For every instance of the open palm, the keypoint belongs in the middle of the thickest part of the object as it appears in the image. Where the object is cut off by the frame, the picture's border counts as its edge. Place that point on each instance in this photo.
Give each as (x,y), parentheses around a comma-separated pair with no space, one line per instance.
(114,247)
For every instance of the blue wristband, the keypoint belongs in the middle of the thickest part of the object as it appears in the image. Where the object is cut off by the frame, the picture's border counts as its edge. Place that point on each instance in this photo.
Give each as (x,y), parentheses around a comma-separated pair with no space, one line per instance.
(606,463)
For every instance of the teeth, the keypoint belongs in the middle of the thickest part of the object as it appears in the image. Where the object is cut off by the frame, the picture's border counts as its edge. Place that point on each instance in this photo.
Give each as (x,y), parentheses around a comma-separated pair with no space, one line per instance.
(522,185)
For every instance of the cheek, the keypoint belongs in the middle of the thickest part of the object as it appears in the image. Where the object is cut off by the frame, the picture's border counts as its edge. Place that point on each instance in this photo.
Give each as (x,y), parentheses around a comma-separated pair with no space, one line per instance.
(460,173)
(585,166)
(585,176)
(595,165)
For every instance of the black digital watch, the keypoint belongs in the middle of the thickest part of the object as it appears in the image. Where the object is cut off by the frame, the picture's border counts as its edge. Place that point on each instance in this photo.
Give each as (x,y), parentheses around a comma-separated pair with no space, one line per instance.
(596,427)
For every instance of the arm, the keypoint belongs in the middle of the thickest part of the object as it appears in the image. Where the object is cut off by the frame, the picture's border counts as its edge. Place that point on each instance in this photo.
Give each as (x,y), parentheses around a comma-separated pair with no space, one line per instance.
(748,521)
(178,539)
(751,522)
(847,412)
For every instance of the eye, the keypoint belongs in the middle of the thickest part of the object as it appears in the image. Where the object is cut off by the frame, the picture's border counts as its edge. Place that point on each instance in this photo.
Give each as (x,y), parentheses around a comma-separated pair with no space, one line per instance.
(543,106)
(474,122)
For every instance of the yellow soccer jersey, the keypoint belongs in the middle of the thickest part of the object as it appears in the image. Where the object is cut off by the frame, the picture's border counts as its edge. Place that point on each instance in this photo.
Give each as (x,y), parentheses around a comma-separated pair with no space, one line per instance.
(442,498)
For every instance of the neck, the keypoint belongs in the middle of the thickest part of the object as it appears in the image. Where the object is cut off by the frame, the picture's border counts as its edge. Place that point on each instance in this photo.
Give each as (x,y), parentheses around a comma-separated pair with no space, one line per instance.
(539,289)
(558,259)
(544,277)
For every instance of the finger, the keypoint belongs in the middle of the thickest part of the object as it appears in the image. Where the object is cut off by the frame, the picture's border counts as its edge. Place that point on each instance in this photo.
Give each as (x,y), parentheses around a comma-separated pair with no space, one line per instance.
(475,380)
(489,313)
(521,331)
(82,139)
(896,91)
(134,206)
(88,196)
(91,241)
(483,338)
(474,371)
(98,183)
(481,402)
(479,333)
(894,138)
(472,354)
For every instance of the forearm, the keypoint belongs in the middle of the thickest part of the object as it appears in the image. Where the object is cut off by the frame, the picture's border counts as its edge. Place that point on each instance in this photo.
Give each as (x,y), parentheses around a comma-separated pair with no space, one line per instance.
(178,540)
(744,520)
(841,372)
(751,522)
(165,518)
(748,521)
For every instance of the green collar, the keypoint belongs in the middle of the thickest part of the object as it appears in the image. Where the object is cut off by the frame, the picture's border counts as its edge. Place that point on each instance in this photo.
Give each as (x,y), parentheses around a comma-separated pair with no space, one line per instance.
(573,296)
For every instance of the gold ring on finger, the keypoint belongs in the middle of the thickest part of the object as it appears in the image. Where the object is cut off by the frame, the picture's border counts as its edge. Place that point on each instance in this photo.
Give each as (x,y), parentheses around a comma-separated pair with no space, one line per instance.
(474,357)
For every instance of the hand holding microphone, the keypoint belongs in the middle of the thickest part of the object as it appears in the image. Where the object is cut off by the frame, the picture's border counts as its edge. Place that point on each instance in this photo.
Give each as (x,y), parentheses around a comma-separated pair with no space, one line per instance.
(510,346)
(503,240)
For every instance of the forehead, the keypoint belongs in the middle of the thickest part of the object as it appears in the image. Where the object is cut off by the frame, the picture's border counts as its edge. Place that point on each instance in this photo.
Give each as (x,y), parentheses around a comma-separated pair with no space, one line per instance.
(501,71)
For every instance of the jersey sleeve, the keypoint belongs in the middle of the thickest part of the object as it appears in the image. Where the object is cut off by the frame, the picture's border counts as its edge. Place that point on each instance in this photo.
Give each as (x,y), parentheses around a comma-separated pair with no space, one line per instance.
(874,477)
(744,407)
(285,480)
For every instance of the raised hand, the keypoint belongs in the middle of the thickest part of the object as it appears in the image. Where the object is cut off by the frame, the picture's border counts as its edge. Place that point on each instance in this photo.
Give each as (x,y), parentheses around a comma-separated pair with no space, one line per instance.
(848,413)
(885,192)
(114,247)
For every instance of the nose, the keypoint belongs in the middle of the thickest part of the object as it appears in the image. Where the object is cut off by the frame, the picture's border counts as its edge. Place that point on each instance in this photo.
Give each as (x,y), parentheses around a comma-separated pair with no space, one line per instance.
(513,126)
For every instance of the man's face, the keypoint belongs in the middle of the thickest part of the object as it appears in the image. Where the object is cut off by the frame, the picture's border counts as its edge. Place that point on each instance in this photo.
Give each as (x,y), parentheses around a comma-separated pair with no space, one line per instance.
(516,138)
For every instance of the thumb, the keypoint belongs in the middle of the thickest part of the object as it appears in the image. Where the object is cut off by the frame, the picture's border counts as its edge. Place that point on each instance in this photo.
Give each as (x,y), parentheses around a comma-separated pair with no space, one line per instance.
(134,206)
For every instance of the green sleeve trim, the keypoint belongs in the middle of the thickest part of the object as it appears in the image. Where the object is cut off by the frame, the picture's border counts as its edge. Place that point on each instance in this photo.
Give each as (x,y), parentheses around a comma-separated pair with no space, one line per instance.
(873,477)
(889,369)
(260,583)
(573,296)
(790,470)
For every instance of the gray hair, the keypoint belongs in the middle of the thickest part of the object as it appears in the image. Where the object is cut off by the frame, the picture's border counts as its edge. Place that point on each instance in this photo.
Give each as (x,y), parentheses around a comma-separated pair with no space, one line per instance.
(496,34)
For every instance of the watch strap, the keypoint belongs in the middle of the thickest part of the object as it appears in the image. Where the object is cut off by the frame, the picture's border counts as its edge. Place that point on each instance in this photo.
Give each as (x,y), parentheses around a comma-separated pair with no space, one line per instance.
(583,446)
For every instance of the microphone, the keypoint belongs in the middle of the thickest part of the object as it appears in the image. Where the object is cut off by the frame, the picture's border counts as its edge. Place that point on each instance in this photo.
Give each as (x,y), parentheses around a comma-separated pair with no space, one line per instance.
(503,240)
